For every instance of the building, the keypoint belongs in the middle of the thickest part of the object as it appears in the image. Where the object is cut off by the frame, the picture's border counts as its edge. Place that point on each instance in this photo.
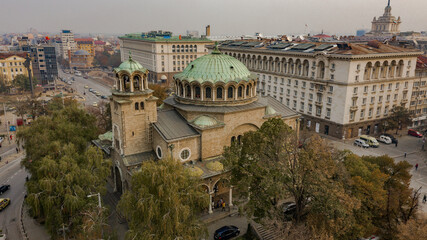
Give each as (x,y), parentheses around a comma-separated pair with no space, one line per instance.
(45,67)
(81,60)
(12,64)
(99,46)
(343,90)
(67,43)
(86,44)
(215,104)
(387,24)
(162,54)
(418,105)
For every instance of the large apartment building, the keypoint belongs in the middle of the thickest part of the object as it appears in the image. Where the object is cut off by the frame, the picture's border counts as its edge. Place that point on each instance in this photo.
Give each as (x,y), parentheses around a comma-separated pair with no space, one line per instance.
(418,105)
(343,90)
(45,68)
(67,43)
(161,53)
(11,65)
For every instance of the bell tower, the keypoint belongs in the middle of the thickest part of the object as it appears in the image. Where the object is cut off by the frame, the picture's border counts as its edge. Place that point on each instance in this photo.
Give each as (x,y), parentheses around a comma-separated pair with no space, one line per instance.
(133,109)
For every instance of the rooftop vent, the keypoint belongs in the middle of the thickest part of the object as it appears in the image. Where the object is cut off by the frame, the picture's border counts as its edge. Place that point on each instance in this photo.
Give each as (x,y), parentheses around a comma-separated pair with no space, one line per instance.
(374,44)
(343,46)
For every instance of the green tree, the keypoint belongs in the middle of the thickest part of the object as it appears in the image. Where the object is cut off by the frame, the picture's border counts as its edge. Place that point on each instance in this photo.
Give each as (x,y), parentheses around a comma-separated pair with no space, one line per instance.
(164,202)
(269,165)
(22,82)
(4,87)
(63,169)
(400,117)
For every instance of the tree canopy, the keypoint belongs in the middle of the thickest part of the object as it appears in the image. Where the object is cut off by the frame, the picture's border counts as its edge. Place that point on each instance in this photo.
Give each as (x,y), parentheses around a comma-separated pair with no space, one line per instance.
(163,202)
(64,170)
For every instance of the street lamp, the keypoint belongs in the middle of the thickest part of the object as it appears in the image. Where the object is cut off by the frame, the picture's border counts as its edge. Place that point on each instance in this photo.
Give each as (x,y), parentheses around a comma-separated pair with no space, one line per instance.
(27,65)
(100,207)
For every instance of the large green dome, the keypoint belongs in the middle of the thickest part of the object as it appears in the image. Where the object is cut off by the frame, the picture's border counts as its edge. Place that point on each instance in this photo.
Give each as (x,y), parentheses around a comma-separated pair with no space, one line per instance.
(216,67)
(130,66)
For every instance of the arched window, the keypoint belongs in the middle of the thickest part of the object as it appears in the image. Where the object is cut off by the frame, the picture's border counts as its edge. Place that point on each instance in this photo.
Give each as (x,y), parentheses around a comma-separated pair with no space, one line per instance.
(197,92)
(208,92)
(233,140)
(188,91)
(219,93)
(230,92)
(136,106)
(247,91)
(181,90)
(142,105)
(136,83)
(239,139)
(126,83)
(240,92)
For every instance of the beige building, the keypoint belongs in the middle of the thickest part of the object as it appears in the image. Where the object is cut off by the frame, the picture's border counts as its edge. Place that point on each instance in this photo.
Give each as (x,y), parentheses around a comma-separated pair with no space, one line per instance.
(418,105)
(386,24)
(215,104)
(162,54)
(81,60)
(12,64)
(67,43)
(342,90)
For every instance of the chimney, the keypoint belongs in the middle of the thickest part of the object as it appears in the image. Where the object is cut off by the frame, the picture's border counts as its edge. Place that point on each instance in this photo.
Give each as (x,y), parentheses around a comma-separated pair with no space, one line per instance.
(208,30)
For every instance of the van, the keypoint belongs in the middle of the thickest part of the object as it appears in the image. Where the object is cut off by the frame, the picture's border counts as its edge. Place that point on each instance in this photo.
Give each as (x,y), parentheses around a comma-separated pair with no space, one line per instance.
(372,142)
(385,139)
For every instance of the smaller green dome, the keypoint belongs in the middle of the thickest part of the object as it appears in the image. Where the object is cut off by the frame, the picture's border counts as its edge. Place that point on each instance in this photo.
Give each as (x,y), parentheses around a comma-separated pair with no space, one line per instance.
(270,111)
(205,121)
(130,66)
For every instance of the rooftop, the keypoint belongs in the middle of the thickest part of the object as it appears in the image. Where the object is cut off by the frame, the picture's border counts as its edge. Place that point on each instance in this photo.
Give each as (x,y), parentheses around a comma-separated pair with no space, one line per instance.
(4,55)
(171,125)
(138,36)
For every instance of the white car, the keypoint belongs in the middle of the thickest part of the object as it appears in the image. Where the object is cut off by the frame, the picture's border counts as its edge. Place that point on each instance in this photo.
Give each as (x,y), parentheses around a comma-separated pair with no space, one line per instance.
(95,104)
(384,139)
(360,143)
(1,139)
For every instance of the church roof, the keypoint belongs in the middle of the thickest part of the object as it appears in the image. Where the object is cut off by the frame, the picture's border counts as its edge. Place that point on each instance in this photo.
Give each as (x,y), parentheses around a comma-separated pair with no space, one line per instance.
(216,67)
(205,121)
(172,126)
(130,66)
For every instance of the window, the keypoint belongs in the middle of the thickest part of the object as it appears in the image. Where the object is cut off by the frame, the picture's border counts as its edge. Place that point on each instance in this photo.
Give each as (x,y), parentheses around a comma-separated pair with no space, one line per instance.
(311,85)
(397,85)
(355,90)
(374,88)
(318,111)
(208,92)
(283,81)
(136,106)
(364,101)
(386,110)
(395,96)
(141,105)
(382,87)
(311,96)
(310,107)
(296,83)
(365,89)
(302,106)
(356,78)
(295,104)
(230,92)
(332,76)
(378,111)
(328,112)
(288,91)
(303,84)
(185,154)
(329,100)
(289,82)
(406,84)
(295,93)
(389,86)
(351,116)
(308,123)
(303,94)
(197,91)
(219,93)
(362,113)
(159,152)
(333,65)
(240,91)
(287,102)
(281,90)
(388,98)
(331,89)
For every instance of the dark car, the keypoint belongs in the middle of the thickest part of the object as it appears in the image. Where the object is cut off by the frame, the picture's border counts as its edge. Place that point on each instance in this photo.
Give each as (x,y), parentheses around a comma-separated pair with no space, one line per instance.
(393,139)
(226,232)
(289,209)
(4,188)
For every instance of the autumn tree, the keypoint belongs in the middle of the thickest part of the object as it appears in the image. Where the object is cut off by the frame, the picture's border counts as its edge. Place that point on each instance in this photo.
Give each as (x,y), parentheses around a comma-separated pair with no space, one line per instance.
(164,202)
(399,117)
(270,165)
(64,170)
(160,91)
(4,86)
(102,114)
(414,229)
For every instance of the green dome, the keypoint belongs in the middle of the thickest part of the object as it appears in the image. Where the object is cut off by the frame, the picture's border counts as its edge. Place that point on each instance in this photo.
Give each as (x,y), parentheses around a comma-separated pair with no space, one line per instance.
(269,111)
(130,66)
(205,121)
(216,67)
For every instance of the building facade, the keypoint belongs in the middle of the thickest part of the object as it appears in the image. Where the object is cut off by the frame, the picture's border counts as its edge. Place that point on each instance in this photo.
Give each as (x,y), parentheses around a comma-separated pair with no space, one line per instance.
(67,43)
(215,104)
(418,105)
(86,44)
(342,90)
(387,24)
(163,56)
(81,60)
(45,67)
(11,65)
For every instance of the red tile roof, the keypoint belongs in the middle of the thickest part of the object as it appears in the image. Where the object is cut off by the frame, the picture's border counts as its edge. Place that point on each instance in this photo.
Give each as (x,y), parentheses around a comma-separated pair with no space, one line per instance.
(100,43)
(83,40)
(10,54)
(322,36)
(422,62)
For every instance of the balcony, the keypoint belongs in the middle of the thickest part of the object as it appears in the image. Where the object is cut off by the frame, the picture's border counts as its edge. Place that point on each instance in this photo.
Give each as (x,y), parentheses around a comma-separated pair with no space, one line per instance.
(319,104)
(354,108)
(404,101)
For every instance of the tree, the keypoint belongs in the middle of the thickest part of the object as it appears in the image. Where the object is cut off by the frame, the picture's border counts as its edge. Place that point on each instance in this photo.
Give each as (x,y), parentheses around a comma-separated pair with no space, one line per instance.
(22,82)
(114,60)
(4,87)
(102,114)
(159,92)
(270,165)
(414,229)
(400,117)
(163,202)
(64,170)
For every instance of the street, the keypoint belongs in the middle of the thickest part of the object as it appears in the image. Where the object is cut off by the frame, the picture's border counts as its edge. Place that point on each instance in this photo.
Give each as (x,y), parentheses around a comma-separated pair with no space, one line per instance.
(79,85)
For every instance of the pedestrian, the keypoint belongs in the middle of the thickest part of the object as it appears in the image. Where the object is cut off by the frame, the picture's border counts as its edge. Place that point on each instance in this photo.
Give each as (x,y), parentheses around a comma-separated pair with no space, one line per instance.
(405,155)
(223,206)
(396,143)
(425,198)
(416,167)
(17,150)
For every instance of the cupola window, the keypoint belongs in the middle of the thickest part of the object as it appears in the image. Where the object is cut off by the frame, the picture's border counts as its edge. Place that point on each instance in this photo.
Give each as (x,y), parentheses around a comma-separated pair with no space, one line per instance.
(219,93)
(208,92)
(197,92)
(188,91)
(230,92)
(136,106)
(240,92)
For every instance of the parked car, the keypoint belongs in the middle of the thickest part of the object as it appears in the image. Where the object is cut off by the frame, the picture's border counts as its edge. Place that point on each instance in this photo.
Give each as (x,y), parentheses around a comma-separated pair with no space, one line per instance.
(95,104)
(1,139)
(4,188)
(360,143)
(103,97)
(393,139)
(371,141)
(226,232)
(90,89)
(414,133)
(86,86)
(4,202)
(384,139)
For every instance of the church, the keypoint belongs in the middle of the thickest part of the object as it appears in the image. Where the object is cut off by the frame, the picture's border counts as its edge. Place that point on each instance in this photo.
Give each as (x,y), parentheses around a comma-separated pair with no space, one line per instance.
(386,24)
(214,103)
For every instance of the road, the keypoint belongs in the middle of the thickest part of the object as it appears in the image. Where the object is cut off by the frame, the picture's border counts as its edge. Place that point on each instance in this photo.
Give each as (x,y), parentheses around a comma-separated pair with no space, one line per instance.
(14,175)
(79,85)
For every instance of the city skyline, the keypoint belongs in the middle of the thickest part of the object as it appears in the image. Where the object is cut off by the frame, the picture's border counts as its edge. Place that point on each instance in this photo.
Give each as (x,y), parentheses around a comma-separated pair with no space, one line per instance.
(240,17)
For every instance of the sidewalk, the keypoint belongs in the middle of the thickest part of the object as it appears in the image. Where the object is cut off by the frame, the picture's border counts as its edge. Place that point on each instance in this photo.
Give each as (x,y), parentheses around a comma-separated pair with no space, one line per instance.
(33,229)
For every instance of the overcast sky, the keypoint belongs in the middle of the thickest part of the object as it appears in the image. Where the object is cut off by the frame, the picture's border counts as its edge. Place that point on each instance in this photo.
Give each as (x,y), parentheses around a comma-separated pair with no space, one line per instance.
(226,17)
